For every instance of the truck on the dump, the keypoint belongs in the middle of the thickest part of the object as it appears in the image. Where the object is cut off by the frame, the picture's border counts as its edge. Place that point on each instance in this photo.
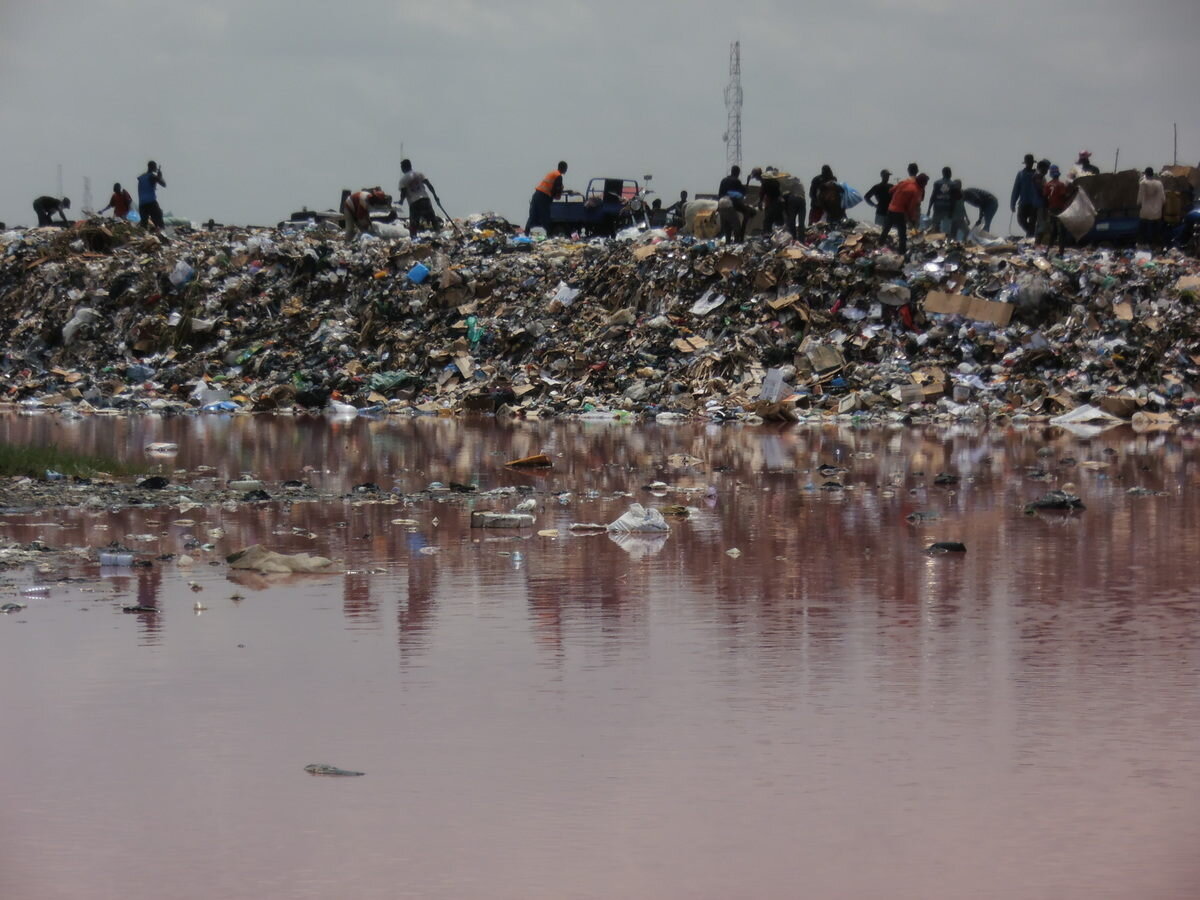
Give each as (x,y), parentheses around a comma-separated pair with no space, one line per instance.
(601,210)
(1114,196)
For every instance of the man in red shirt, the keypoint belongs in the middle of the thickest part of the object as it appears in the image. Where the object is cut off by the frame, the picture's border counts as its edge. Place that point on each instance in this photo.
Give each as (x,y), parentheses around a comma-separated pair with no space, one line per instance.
(120,202)
(356,210)
(904,208)
(1057,199)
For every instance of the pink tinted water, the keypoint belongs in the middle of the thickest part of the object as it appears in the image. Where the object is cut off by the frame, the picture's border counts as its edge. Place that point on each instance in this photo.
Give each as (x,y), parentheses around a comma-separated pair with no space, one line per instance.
(833,713)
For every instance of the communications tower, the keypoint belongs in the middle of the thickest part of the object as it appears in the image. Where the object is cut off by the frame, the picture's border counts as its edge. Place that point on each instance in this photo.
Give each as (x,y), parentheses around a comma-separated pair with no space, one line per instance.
(733,107)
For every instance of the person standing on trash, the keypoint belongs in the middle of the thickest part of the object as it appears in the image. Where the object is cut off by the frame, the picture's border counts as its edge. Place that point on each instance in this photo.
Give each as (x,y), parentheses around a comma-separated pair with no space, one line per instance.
(1042,228)
(959,221)
(1151,198)
(46,207)
(1027,197)
(904,209)
(1083,166)
(120,202)
(1057,199)
(675,212)
(816,194)
(148,184)
(879,196)
(770,201)
(356,210)
(413,189)
(986,202)
(549,189)
(941,203)
(732,190)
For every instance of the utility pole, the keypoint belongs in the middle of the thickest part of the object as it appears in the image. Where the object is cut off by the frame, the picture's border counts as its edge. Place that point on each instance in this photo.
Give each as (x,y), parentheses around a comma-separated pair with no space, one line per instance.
(733,107)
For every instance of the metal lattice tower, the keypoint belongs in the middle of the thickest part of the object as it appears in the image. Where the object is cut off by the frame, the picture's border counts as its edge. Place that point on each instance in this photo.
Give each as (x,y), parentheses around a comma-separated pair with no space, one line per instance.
(733,107)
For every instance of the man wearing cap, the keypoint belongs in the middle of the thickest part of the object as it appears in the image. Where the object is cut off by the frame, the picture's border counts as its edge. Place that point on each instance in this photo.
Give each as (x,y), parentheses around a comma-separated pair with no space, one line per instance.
(879,196)
(904,208)
(1083,166)
(1027,197)
(46,207)
(1041,230)
(1057,198)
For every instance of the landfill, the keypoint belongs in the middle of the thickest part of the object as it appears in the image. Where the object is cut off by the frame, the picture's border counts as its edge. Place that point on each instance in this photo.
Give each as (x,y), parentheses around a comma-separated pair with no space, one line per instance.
(652,325)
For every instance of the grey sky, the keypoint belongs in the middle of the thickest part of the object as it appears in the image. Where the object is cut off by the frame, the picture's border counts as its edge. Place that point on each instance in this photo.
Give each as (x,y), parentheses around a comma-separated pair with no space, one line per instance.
(257,108)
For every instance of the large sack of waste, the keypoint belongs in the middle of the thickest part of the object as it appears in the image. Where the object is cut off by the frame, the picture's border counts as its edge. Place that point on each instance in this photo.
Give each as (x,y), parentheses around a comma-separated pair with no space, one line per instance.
(259,559)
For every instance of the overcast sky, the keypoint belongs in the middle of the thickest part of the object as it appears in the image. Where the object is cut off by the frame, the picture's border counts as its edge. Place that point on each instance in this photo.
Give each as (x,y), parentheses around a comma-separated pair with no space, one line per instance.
(255,109)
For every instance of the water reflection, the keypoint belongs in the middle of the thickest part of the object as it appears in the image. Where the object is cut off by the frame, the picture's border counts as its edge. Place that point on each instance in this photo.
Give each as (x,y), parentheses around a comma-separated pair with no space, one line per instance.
(833,651)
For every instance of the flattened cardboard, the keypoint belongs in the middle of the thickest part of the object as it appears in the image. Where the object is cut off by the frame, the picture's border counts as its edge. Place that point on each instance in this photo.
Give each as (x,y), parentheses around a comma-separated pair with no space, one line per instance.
(972,307)
(689,344)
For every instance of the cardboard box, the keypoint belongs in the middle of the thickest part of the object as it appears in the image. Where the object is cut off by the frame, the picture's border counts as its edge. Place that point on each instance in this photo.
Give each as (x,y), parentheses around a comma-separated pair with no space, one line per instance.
(689,344)
(972,307)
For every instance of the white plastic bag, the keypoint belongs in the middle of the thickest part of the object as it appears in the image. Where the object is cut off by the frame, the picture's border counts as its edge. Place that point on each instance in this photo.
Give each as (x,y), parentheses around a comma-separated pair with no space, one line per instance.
(1080,216)
(640,520)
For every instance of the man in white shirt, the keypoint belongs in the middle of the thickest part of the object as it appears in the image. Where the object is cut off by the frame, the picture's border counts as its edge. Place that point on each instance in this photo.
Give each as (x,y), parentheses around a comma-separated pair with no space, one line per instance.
(412,189)
(1151,198)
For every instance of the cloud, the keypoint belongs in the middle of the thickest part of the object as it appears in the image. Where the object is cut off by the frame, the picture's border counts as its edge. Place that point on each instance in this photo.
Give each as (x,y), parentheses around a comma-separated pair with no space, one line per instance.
(256,109)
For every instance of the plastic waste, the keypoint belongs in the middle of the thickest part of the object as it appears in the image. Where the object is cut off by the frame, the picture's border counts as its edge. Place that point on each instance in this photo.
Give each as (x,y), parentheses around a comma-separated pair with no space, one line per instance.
(83,316)
(205,394)
(565,294)
(639,520)
(181,274)
(418,273)
(115,558)
(486,519)
(708,301)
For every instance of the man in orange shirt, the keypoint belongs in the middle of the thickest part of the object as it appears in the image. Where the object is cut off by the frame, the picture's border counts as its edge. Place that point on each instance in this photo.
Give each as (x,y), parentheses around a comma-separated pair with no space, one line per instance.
(905,208)
(548,190)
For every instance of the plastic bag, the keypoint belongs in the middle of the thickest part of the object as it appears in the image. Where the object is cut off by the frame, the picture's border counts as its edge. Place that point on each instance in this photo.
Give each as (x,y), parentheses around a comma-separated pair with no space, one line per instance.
(181,274)
(850,197)
(1080,216)
(640,520)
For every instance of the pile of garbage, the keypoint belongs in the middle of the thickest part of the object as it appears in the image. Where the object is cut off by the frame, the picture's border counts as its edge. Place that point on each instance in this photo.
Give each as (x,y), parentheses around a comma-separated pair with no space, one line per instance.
(105,316)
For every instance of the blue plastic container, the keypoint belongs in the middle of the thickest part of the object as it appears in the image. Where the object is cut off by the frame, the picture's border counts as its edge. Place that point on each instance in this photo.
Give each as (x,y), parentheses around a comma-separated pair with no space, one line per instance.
(418,273)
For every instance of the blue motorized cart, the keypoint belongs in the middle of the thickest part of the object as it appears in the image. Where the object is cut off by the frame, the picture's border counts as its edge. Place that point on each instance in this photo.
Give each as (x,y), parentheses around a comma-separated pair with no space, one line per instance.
(599,211)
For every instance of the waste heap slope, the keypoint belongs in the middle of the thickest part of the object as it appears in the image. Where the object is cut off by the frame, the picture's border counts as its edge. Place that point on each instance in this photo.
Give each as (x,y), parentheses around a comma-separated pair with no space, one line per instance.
(104,316)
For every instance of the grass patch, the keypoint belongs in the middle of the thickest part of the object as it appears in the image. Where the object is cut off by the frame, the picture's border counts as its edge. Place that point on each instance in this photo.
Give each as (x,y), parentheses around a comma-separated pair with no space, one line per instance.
(34,462)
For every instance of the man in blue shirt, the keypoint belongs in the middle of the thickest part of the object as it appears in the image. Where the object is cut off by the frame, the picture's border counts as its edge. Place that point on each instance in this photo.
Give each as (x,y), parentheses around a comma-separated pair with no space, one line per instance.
(942,200)
(1027,197)
(148,184)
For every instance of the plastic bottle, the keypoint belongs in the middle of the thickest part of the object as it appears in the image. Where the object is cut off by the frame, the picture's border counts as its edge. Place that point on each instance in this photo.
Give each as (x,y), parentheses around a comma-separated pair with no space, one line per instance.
(115,558)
